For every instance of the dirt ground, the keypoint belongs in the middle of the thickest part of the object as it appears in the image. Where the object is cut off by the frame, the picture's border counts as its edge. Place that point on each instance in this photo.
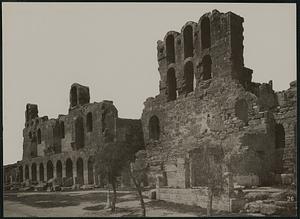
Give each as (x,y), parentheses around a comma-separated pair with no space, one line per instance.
(84,204)
(90,204)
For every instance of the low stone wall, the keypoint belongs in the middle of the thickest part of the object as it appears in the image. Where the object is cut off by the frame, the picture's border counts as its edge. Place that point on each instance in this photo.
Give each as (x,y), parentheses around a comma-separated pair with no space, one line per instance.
(248,180)
(194,196)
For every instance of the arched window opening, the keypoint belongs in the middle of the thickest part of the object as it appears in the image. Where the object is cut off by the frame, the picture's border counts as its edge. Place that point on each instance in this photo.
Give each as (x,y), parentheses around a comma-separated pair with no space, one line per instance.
(189,77)
(62,129)
(49,170)
(39,136)
(91,171)
(73,96)
(206,62)
(170,49)
(26,172)
(69,171)
(41,172)
(171,81)
(154,129)
(59,169)
(20,173)
(80,176)
(188,41)
(241,110)
(89,122)
(79,133)
(30,135)
(33,172)
(279,136)
(205,33)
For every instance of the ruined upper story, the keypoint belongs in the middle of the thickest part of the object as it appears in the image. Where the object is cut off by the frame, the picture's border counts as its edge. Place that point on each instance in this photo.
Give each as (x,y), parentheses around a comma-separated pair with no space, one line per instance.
(201,52)
(83,128)
(206,57)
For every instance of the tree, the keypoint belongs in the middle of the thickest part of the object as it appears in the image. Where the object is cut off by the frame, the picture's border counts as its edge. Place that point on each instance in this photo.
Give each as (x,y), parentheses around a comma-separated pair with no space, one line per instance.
(137,171)
(113,157)
(212,158)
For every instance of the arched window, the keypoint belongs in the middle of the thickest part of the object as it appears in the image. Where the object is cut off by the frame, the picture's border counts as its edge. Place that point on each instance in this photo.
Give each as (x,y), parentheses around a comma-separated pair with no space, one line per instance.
(171,82)
(80,176)
(69,168)
(30,135)
(41,172)
(89,122)
(170,49)
(39,136)
(91,170)
(189,77)
(79,132)
(73,96)
(49,170)
(206,62)
(33,172)
(279,136)
(154,129)
(188,41)
(59,169)
(62,129)
(241,110)
(26,172)
(205,33)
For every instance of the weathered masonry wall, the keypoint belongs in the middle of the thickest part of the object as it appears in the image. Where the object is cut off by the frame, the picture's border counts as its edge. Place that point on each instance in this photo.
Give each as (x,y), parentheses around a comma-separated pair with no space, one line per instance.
(207,99)
(65,147)
(286,128)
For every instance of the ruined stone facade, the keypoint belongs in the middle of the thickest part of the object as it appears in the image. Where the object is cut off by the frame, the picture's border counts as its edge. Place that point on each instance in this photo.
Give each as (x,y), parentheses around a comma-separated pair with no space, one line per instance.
(65,147)
(207,100)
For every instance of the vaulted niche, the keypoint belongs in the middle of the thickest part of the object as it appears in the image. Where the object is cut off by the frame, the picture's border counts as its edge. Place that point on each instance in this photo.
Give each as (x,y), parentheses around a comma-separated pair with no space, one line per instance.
(189,77)
(188,41)
(170,49)
(205,33)
(79,132)
(73,96)
(171,82)
(154,129)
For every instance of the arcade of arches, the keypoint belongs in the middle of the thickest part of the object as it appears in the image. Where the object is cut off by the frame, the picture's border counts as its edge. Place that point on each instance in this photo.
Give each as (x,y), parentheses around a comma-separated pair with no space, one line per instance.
(79,170)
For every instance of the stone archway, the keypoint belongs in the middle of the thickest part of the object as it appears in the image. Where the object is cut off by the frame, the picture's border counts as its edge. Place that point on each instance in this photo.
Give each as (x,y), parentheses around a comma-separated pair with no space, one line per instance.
(80,177)
(90,170)
(33,172)
(49,170)
(58,169)
(69,171)
(42,172)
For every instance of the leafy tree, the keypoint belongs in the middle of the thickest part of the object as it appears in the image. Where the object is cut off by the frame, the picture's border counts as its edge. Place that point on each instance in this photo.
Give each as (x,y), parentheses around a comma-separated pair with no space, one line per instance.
(211,161)
(113,157)
(137,171)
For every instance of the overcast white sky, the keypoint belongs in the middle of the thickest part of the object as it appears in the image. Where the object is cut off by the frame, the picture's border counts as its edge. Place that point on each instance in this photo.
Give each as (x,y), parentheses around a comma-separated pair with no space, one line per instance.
(111,47)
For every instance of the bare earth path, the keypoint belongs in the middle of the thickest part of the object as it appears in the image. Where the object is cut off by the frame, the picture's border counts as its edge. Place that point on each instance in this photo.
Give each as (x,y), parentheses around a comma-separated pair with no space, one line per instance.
(86,204)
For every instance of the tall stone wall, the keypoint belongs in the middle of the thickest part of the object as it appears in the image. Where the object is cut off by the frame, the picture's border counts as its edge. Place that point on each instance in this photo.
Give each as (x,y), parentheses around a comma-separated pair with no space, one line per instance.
(65,147)
(211,104)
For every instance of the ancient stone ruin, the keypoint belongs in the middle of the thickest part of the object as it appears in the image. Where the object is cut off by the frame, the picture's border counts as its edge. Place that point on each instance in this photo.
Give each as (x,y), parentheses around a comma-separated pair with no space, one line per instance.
(208,102)
(207,106)
(64,148)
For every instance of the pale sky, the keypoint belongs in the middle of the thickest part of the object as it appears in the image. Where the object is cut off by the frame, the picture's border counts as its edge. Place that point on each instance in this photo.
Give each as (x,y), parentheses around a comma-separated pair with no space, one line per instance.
(111,47)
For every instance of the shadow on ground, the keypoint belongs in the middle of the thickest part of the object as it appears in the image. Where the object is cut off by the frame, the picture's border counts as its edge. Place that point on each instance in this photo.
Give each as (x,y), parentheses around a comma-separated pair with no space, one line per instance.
(58,200)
